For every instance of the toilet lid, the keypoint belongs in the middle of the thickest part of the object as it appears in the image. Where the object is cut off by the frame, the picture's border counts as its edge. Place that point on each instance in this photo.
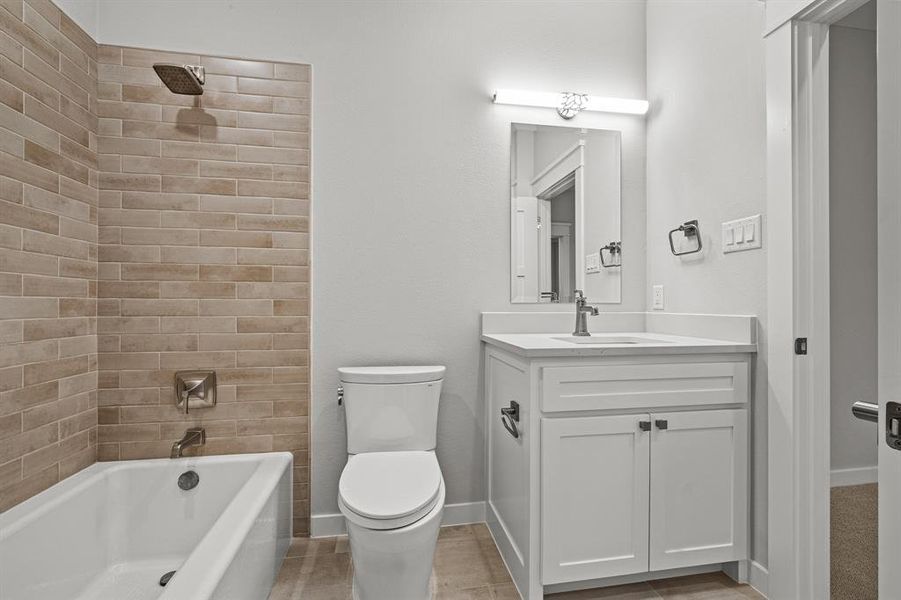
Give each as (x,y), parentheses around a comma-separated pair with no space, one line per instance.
(391,375)
(390,485)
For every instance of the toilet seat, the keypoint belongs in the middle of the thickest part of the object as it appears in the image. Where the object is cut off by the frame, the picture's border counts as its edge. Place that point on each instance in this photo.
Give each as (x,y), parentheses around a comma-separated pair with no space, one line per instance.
(389,490)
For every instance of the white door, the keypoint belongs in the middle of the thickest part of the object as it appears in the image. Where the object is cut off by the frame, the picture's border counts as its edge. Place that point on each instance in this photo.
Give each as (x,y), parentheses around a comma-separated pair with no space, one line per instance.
(594,497)
(699,488)
(525,249)
(888,48)
(544,249)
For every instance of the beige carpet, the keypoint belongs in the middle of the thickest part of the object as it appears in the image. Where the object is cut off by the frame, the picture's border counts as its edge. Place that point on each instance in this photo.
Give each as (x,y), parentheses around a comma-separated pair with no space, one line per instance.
(854,542)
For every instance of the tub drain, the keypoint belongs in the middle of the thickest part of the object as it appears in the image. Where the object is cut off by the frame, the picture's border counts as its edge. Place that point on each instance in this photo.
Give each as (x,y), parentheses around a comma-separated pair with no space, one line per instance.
(165,578)
(188,480)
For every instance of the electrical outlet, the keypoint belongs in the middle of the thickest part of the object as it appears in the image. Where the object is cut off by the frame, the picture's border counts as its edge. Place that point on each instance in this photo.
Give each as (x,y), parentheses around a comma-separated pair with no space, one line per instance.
(658,297)
(593,262)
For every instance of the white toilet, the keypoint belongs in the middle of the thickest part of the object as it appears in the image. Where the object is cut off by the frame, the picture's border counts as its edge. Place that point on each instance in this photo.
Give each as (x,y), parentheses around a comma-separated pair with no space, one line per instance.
(391,491)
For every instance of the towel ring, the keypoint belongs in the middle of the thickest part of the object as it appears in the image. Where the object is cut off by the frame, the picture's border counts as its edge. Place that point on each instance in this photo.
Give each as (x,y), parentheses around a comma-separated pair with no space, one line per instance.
(510,417)
(689,229)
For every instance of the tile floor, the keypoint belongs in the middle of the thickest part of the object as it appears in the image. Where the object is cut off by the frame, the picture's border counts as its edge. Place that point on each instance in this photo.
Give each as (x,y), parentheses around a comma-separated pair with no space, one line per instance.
(468,567)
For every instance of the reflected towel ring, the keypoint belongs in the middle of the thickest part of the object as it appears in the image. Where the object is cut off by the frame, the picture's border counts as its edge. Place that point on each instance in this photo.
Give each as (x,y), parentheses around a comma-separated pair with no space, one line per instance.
(616,255)
(690,229)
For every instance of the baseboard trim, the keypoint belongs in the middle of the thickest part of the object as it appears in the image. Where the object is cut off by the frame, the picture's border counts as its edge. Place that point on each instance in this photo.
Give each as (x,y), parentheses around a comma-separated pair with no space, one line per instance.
(463,513)
(759,578)
(327,525)
(590,584)
(855,476)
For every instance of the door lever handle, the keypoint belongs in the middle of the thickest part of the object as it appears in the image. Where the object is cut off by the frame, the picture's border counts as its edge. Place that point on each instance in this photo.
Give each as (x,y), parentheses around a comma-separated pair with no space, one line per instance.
(866,411)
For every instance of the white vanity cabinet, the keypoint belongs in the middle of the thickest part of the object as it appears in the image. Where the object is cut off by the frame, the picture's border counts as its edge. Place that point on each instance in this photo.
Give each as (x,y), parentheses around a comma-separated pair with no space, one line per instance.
(625,465)
(625,494)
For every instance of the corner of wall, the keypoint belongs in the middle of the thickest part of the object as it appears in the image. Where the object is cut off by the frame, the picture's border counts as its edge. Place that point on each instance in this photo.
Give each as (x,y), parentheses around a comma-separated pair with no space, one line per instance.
(85,13)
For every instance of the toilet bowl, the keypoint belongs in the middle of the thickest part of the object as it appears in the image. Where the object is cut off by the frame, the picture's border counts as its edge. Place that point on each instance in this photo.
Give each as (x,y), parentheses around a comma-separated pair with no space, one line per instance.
(393,537)
(391,491)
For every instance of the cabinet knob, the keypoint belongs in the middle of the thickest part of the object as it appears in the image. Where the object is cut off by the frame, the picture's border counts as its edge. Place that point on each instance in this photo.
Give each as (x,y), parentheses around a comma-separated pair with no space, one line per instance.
(661,424)
(644,425)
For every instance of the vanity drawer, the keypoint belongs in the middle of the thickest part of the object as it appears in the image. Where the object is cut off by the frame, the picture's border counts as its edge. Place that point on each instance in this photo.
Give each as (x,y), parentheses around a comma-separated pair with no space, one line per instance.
(625,386)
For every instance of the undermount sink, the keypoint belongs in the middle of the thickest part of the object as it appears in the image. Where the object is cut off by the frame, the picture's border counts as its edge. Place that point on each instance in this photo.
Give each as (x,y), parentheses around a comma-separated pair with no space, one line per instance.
(608,340)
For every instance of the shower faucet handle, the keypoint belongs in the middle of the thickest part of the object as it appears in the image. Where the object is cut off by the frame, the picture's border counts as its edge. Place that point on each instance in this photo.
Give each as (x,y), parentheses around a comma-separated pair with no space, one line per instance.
(195,389)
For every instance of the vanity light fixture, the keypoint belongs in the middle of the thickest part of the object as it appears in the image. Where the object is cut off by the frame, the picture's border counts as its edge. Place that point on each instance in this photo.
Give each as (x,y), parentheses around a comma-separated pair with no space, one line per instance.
(569,104)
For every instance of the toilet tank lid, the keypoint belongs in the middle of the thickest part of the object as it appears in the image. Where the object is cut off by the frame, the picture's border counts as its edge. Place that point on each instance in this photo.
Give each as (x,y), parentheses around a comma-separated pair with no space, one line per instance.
(414,374)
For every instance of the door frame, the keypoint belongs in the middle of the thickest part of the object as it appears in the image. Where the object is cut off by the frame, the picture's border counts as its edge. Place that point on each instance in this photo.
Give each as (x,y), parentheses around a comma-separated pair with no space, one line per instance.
(798,404)
(569,166)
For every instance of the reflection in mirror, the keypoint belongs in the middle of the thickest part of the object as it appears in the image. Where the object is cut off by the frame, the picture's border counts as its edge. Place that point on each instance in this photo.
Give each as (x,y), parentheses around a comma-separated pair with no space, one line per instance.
(565,214)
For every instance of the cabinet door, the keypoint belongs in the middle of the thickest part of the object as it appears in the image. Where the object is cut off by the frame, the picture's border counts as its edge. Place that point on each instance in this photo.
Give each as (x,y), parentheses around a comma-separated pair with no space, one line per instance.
(699,488)
(594,497)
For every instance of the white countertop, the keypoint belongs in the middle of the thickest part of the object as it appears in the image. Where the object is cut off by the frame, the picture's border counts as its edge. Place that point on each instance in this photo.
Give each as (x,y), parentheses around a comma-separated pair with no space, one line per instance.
(535,345)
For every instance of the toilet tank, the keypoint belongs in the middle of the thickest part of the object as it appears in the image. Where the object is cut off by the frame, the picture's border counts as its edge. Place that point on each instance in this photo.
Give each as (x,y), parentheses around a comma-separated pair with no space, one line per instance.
(391,408)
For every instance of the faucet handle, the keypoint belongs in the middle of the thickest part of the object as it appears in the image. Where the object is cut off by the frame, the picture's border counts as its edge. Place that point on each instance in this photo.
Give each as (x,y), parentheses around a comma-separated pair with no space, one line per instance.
(580,295)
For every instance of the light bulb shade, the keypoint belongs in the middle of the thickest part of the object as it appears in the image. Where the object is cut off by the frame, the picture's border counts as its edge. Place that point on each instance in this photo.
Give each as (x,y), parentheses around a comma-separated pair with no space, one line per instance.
(554,100)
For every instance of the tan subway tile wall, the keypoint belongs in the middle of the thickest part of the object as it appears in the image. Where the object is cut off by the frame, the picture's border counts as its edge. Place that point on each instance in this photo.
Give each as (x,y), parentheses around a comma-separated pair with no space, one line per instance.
(194,253)
(48,248)
(203,258)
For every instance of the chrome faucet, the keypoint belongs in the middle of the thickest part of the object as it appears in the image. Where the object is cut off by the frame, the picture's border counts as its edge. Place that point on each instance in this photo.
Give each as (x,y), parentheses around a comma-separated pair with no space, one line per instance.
(583,309)
(194,436)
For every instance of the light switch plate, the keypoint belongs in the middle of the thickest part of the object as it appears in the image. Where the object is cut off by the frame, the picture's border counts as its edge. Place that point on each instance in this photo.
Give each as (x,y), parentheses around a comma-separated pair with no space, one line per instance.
(742,234)
(593,263)
(658,297)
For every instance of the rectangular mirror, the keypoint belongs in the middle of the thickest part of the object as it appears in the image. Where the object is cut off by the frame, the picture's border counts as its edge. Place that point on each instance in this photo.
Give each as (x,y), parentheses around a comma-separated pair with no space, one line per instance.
(565,214)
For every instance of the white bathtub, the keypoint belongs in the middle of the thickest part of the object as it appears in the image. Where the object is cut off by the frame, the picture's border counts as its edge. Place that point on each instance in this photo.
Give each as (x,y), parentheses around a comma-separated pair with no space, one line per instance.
(112,530)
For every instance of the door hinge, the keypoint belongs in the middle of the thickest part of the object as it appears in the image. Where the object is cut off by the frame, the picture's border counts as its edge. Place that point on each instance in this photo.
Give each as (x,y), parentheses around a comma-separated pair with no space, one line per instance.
(801,346)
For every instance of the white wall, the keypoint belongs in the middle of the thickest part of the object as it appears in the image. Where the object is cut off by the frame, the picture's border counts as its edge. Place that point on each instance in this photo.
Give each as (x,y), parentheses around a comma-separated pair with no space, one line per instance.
(83,12)
(410,172)
(602,212)
(563,207)
(780,11)
(852,215)
(707,161)
(549,144)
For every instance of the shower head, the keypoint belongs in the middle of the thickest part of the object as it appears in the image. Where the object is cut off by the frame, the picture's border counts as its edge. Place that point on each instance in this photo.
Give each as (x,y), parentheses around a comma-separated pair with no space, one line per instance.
(181,79)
